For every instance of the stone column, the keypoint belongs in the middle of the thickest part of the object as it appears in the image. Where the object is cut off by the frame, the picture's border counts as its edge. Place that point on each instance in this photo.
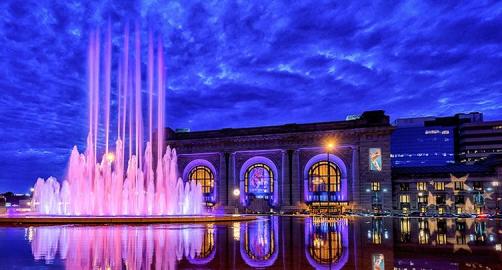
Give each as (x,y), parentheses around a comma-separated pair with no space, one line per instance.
(355,192)
(297,179)
(222,196)
(283,188)
(233,181)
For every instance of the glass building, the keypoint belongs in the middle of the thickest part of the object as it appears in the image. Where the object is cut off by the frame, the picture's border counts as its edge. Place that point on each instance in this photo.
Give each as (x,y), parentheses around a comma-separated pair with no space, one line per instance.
(422,146)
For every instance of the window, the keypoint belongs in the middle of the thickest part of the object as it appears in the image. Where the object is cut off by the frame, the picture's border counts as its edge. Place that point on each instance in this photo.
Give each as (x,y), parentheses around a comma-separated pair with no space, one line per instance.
(259,179)
(404,186)
(439,186)
(440,199)
(458,185)
(422,186)
(441,210)
(375,186)
(477,185)
(459,199)
(422,199)
(324,177)
(404,198)
(479,199)
(204,177)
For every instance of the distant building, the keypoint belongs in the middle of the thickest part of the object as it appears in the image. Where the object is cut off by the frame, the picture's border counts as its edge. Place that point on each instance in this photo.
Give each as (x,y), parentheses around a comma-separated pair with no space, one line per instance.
(448,189)
(428,141)
(477,141)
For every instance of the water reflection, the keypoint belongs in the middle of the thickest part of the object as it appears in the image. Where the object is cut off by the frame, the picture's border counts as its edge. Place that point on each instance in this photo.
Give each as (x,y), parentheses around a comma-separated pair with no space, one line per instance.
(259,242)
(112,247)
(269,242)
(326,242)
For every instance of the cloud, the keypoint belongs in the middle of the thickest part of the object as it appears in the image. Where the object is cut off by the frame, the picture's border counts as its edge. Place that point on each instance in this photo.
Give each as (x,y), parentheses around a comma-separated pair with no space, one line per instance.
(233,64)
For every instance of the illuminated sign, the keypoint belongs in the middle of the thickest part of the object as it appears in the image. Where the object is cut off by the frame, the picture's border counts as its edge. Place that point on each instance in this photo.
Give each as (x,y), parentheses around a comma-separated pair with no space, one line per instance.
(436,131)
(375,159)
(377,262)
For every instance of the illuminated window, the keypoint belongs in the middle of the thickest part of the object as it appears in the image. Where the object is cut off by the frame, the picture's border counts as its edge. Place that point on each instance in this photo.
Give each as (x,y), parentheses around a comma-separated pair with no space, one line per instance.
(404,198)
(324,177)
(203,176)
(326,244)
(441,210)
(375,186)
(423,237)
(259,180)
(439,185)
(207,245)
(422,186)
(458,185)
(441,239)
(259,241)
(422,199)
(423,209)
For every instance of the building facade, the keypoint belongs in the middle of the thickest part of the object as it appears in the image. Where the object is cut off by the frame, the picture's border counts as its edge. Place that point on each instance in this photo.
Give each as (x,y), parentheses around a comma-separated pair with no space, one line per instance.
(429,141)
(451,189)
(477,141)
(344,165)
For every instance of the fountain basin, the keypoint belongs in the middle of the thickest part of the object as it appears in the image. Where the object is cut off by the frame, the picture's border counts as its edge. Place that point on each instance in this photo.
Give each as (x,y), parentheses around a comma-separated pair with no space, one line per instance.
(37,219)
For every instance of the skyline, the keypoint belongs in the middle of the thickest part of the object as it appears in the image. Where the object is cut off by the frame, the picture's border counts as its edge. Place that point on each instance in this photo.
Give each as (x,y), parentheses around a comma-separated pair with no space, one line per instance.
(242,66)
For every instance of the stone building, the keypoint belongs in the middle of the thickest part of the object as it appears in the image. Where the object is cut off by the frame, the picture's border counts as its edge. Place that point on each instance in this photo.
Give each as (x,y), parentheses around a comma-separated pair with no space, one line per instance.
(292,167)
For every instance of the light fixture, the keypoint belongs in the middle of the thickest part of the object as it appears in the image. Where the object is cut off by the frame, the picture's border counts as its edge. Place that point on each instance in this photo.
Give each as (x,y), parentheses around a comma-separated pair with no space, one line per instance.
(110,157)
(237,192)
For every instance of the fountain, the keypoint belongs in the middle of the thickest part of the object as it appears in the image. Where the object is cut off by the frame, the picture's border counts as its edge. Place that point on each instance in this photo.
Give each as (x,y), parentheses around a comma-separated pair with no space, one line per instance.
(109,187)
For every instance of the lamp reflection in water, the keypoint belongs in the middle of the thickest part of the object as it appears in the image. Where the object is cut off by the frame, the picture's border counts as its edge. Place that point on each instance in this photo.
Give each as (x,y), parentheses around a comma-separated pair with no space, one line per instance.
(129,247)
(326,242)
(259,242)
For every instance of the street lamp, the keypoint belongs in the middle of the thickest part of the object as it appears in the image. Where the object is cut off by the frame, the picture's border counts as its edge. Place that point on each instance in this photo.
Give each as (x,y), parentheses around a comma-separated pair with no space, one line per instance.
(329,147)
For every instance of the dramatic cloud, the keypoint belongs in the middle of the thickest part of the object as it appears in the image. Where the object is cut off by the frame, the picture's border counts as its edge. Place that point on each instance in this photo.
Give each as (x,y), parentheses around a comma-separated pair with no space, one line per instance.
(235,64)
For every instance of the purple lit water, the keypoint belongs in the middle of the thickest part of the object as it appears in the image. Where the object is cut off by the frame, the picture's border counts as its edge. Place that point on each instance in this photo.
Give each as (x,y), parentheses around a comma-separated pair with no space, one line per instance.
(106,182)
(268,243)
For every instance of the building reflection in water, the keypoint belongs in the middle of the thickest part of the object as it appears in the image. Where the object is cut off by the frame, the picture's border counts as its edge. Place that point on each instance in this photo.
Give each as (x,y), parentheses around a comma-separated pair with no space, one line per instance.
(259,242)
(326,242)
(123,247)
(275,242)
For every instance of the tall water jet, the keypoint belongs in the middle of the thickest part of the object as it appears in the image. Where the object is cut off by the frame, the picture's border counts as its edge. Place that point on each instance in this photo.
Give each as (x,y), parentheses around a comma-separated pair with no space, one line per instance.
(145,185)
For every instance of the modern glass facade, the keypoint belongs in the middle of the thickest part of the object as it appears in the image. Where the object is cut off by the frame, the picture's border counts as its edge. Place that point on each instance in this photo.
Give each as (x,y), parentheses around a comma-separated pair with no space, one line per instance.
(422,146)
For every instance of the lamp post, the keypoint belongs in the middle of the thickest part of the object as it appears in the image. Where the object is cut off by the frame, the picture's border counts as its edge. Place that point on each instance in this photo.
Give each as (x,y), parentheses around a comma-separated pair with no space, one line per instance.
(329,147)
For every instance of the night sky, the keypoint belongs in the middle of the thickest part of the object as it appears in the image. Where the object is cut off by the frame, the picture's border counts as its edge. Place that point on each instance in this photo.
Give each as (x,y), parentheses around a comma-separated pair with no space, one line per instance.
(236,65)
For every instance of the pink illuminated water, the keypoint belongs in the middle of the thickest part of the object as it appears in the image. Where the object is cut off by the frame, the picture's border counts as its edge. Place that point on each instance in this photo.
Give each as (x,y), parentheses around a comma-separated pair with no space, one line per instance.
(144,185)
(112,247)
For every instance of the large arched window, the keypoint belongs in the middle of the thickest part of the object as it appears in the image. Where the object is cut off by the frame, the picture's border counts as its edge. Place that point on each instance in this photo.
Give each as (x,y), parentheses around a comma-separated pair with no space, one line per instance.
(259,180)
(323,177)
(326,242)
(203,176)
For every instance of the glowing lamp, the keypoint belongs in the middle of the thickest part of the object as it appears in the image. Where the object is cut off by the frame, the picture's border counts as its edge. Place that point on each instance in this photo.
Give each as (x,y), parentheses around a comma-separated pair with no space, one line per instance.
(237,192)
(110,157)
(330,146)
(32,189)
(495,183)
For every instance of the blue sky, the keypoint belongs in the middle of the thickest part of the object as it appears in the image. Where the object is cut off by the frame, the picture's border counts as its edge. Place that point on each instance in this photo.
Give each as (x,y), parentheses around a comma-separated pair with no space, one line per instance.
(245,63)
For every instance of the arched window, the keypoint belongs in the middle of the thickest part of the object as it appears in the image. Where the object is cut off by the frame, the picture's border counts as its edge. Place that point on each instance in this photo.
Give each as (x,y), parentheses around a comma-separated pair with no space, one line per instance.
(259,180)
(259,241)
(203,176)
(207,244)
(323,177)
(325,245)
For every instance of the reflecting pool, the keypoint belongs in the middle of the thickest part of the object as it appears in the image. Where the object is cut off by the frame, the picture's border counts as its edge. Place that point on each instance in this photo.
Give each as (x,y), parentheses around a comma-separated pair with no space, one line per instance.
(269,242)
